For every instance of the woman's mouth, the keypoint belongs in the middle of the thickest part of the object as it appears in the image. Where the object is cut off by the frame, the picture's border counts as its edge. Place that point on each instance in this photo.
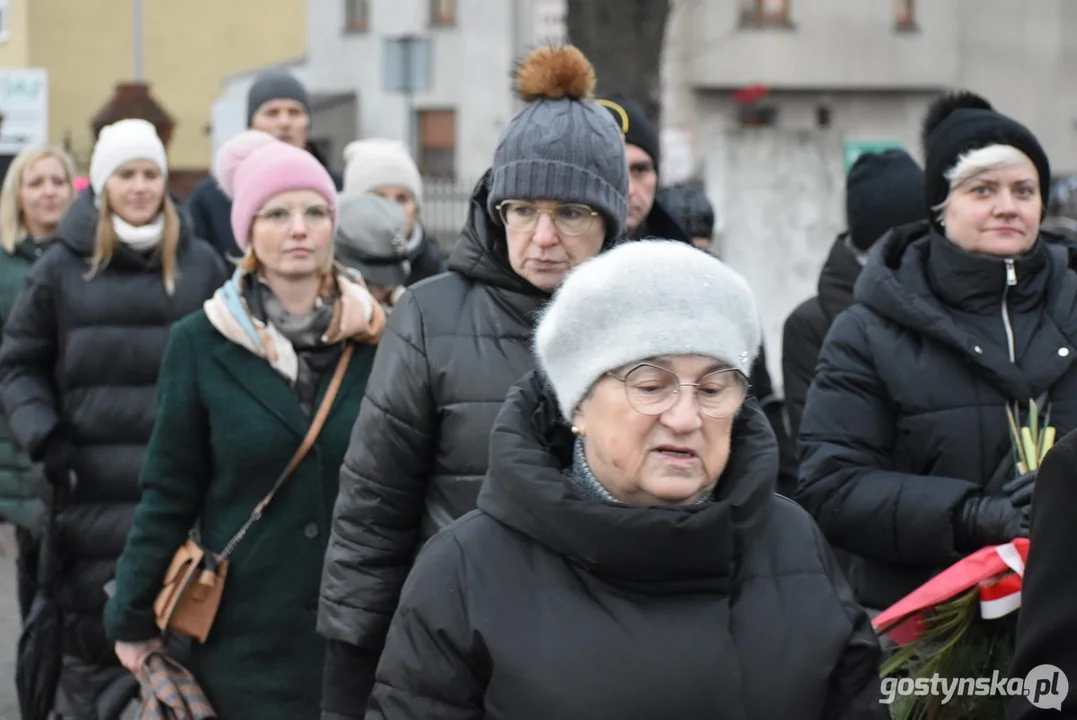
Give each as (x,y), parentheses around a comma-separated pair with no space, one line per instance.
(678,454)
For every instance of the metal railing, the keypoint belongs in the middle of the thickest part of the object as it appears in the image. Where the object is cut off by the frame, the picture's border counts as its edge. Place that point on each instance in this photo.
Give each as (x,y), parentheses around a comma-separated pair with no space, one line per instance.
(445,208)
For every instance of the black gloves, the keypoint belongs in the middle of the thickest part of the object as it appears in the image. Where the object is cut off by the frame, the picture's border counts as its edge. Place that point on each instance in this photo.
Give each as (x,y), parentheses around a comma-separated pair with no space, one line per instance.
(56,453)
(348,680)
(997,518)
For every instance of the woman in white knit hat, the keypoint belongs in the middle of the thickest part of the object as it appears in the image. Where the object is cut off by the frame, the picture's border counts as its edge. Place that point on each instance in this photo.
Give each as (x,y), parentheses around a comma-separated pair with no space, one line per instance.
(78,372)
(384,167)
(629,558)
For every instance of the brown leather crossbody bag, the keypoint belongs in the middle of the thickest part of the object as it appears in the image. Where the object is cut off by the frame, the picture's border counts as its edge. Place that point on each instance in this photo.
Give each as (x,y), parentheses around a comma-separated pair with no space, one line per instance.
(191,593)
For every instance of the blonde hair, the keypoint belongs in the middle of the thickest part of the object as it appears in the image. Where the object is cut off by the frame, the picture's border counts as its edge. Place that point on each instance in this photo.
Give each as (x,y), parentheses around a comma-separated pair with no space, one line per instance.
(976,162)
(12,224)
(105,242)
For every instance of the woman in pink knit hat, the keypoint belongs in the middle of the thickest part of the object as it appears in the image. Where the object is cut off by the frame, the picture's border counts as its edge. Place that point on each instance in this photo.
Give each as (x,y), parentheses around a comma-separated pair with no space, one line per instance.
(244,382)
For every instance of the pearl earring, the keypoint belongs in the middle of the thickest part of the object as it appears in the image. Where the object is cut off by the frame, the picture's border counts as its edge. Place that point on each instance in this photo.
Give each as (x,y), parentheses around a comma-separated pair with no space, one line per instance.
(577,431)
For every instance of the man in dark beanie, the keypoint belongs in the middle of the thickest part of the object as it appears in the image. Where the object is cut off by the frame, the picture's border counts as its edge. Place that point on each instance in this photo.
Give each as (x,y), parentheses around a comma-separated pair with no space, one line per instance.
(883,190)
(646,217)
(279,104)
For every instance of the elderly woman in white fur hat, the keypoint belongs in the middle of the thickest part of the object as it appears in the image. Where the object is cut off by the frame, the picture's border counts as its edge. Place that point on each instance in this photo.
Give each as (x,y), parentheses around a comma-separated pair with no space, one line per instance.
(629,557)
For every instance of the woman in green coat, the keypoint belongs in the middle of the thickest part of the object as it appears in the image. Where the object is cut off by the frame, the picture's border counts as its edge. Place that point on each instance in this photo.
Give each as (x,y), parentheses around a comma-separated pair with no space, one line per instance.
(239,385)
(37,190)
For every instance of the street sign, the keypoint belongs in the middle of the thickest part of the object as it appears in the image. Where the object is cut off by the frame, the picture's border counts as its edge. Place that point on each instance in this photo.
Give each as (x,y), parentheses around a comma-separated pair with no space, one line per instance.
(855,148)
(407,64)
(24,104)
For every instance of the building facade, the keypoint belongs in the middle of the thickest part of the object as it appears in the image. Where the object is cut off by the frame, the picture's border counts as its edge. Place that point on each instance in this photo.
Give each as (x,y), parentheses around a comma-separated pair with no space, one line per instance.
(87,47)
(464,60)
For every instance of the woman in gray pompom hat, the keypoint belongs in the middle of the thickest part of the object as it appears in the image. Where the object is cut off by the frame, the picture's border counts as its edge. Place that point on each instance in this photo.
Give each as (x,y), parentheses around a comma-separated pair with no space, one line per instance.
(629,558)
(555,196)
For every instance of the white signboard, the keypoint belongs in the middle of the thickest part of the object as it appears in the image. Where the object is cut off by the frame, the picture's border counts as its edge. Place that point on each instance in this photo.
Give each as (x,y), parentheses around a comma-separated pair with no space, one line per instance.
(24,103)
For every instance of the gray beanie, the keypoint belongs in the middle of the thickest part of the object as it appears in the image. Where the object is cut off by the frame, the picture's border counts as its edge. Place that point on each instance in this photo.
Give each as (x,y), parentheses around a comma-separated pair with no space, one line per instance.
(372,238)
(562,146)
(641,300)
(275,85)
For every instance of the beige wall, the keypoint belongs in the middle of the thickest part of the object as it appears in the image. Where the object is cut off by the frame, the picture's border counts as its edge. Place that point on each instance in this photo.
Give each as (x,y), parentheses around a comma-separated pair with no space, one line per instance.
(188,47)
(13,53)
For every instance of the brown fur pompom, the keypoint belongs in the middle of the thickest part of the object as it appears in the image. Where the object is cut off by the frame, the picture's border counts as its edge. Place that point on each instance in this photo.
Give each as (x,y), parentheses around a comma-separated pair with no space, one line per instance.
(555,73)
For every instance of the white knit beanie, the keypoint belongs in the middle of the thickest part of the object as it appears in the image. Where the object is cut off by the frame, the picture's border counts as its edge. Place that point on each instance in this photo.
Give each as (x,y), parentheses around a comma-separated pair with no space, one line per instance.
(642,300)
(378,162)
(119,144)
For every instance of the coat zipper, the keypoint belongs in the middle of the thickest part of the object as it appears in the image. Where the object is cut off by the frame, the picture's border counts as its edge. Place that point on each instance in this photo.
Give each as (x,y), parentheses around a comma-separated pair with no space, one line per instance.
(1011,280)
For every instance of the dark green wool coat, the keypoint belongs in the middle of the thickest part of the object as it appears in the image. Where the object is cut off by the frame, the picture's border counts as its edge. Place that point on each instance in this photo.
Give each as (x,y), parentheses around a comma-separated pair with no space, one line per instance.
(19,501)
(227,426)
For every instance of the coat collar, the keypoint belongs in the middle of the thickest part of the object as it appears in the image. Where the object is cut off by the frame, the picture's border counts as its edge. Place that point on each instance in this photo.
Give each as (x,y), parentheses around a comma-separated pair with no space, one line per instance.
(658,551)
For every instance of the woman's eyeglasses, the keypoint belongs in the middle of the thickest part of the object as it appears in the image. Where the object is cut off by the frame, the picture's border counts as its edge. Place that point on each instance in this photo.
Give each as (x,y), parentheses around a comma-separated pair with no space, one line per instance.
(569,219)
(282,218)
(652,390)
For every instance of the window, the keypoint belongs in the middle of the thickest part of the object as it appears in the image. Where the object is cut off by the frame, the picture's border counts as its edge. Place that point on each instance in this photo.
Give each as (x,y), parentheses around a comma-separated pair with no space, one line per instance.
(437,144)
(356,15)
(442,13)
(764,12)
(905,18)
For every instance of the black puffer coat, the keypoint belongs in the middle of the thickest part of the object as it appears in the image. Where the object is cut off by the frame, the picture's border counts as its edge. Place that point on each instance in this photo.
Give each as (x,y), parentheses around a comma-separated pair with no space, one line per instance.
(85,353)
(453,347)
(543,604)
(906,417)
(808,324)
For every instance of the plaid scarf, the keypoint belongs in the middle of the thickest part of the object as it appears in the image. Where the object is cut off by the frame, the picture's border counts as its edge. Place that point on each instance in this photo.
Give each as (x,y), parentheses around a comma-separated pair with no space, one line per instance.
(170,692)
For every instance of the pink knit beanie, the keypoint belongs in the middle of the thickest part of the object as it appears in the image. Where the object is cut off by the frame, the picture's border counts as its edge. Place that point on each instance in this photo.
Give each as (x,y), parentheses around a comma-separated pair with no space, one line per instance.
(254,167)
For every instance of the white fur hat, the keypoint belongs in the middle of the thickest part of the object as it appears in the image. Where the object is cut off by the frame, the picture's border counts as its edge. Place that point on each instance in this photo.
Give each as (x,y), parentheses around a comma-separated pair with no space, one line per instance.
(377,162)
(120,143)
(641,300)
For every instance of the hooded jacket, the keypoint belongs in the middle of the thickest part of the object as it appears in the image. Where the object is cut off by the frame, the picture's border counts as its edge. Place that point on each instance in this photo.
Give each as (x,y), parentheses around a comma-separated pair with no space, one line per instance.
(808,324)
(81,356)
(20,483)
(546,604)
(453,347)
(906,416)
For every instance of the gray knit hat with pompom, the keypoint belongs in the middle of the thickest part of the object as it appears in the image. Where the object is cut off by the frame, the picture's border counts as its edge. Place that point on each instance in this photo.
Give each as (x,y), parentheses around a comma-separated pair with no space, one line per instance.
(562,146)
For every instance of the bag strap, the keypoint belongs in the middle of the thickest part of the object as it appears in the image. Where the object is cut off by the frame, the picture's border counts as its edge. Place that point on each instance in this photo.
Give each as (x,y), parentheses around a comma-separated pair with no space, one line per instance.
(308,442)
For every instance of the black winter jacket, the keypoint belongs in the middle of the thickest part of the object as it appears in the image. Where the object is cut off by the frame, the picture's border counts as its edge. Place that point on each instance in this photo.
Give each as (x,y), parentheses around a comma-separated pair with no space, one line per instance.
(83,355)
(1047,624)
(808,324)
(906,416)
(453,347)
(543,604)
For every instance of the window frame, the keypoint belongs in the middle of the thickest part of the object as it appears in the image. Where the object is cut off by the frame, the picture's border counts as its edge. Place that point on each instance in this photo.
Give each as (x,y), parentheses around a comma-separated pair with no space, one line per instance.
(421,146)
(757,13)
(905,16)
(356,23)
(439,19)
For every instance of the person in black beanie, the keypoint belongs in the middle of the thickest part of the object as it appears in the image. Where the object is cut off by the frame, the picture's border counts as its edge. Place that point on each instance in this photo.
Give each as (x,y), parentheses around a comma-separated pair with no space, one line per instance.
(279,104)
(883,190)
(646,217)
(906,459)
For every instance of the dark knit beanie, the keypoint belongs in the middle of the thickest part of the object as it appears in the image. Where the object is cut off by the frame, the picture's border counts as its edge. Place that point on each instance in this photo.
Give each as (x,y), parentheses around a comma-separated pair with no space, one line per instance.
(635,125)
(561,146)
(883,190)
(275,85)
(960,122)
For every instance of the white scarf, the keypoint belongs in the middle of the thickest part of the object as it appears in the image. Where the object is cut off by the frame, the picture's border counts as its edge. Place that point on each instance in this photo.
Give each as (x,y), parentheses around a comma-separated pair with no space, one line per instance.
(142,238)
